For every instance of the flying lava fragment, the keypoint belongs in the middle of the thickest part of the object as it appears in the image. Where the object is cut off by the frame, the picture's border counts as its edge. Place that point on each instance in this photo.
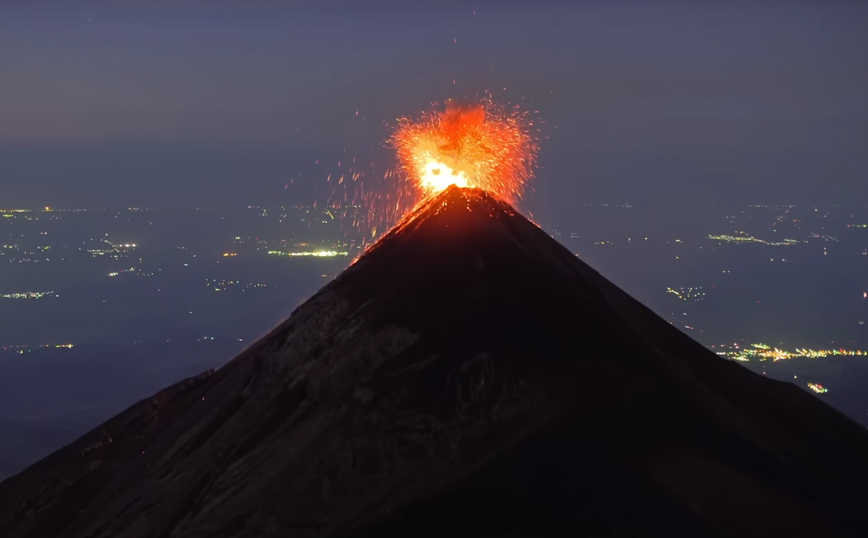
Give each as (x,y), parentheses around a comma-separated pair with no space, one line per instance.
(482,145)
(477,145)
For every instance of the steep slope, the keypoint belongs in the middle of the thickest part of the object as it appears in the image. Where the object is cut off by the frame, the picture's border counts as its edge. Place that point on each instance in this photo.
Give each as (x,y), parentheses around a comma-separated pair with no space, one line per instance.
(467,376)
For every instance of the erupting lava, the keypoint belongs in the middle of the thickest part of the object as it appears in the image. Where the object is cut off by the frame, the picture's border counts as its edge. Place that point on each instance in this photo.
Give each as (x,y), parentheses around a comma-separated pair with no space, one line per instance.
(480,145)
(476,145)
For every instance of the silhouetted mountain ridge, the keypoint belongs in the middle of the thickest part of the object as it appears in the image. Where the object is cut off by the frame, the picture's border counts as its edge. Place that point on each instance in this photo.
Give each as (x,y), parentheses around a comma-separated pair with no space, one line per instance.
(467,376)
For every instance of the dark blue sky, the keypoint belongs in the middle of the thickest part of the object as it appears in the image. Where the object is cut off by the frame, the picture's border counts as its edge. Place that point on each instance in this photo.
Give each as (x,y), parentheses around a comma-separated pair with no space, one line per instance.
(217,103)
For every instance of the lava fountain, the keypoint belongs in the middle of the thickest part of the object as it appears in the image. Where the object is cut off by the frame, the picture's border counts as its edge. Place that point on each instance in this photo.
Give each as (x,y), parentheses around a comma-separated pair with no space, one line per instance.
(477,145)
(480,145)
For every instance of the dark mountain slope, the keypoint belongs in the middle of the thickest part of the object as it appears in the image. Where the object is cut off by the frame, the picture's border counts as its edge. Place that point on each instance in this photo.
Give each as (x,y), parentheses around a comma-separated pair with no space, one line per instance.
(467,376)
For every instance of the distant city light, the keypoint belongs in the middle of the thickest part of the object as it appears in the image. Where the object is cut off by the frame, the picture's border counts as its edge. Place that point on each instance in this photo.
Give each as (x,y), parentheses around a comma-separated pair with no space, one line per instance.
(818,388)
(116,250)
(131,270)
(225,285)
(765,352)
(317,254)
(688,294)
(27,295)
(21,350)
(744,239)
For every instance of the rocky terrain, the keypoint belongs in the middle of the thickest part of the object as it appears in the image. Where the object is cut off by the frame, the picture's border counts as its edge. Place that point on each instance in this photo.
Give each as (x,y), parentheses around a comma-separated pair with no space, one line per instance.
(467,376)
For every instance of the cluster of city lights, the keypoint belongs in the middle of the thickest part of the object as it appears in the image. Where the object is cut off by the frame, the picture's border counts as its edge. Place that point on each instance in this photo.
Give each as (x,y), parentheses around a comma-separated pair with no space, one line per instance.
(688,294)
(818,388)
(115,251)
(27,295)
(116,273)
(764,352)
(826,238)
(131,270)
(21,350)
(224,285)
(316,254)
(745,239)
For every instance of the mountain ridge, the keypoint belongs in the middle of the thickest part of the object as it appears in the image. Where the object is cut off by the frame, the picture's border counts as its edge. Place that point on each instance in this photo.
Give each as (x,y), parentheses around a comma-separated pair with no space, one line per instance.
(466,365)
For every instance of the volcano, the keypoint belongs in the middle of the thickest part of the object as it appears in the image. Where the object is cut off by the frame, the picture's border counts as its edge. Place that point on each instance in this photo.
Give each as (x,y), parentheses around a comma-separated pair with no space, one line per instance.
(467,376)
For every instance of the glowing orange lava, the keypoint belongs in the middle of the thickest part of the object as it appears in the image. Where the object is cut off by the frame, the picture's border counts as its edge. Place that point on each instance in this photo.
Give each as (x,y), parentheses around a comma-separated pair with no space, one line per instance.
(475,145)
(481,145)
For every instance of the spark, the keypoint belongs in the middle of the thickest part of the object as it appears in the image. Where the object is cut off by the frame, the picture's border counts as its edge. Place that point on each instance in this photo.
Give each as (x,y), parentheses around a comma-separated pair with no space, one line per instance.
(477,145)
(483,145)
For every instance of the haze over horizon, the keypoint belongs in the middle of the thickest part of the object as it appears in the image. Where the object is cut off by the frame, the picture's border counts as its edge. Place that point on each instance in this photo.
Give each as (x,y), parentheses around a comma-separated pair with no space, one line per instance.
(208,104)
(661,329)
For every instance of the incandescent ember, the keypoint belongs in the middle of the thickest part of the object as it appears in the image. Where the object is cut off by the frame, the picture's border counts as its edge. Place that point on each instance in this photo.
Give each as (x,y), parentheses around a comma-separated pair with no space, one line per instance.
(477,145)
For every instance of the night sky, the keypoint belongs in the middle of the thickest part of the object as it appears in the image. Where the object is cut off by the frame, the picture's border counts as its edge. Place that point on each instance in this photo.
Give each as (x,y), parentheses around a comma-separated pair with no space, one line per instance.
(218,103)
